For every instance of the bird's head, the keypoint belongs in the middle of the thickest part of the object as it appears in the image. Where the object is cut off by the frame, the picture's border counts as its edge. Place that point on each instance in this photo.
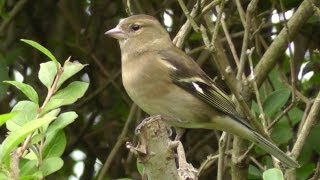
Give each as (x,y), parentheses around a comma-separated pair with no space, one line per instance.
(140,33)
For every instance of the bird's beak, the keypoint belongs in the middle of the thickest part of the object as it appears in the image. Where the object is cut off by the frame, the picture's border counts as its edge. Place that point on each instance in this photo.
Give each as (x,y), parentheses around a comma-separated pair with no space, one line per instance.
(117,33)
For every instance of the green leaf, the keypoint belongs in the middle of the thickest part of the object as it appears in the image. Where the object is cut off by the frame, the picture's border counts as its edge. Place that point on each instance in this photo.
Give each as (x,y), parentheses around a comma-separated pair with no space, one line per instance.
(53,113)
(275,101)
(26,111)
(295,115)
(67,96)
(55,145)
(16,137)
(61,122)
(305,171)
(37,138)
(313,138)
(5,117)
(254,173)
(140,168)
(37,175)
(47,73)
(31,156)
(282,133)
(69,69)
(26,89)
(55,137)
(3,176)
(51,165)
(42,49)
(273,174)
(28,167)
(274,77)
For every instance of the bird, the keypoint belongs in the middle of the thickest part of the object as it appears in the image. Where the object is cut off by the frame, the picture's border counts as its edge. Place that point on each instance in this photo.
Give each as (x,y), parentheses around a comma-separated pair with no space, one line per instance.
(163,80)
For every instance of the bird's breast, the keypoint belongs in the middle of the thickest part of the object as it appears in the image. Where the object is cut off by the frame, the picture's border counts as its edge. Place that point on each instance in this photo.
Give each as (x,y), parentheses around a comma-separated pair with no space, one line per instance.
(152,90)
(143,83)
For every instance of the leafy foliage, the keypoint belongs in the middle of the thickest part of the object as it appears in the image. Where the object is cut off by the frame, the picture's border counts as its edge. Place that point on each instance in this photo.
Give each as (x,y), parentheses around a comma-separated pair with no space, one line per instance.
(40,128)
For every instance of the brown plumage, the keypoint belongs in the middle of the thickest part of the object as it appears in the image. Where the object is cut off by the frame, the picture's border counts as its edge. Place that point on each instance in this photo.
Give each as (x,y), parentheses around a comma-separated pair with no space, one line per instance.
(163,80)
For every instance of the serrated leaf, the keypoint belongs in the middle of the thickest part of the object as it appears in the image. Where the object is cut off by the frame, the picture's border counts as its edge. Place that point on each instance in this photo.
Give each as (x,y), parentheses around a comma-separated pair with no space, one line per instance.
(275,101)
(42,49)
(47,73)
(272,174)
(67,96)
(51,165)
(16,137)
(6,117)
(69,69)
(26,89)
(26,111)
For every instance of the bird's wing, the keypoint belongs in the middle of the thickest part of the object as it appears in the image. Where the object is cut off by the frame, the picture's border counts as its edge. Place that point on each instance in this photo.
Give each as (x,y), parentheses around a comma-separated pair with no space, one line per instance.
(187,74)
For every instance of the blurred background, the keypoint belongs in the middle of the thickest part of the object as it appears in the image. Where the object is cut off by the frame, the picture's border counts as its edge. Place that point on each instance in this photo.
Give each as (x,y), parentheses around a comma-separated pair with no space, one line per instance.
(76,28)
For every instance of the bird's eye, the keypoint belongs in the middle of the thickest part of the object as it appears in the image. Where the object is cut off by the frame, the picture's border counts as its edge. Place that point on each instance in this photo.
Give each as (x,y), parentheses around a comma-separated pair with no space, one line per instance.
(135,27)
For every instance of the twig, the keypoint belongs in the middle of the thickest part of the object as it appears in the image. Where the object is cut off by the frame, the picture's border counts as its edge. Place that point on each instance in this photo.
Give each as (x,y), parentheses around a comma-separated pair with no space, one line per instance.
(304,117)
(12,14)
(179,39)
(188,15)
(284,112)
(292,66)
(296,150)
(128,6)
(260,166)
(256,91)
(243,156)
(195,50)
(222,149)
(251,8)
(278,46)
(50,93)
(222,63)
(230,43)
(207,163)
(303,134)
(316,174)
(14,166)
(217,25)
(241,12)
(118,144)
(209,7)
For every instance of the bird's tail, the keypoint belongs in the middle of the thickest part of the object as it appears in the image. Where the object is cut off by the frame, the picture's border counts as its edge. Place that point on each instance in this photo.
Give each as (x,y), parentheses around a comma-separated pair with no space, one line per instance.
(275,151)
